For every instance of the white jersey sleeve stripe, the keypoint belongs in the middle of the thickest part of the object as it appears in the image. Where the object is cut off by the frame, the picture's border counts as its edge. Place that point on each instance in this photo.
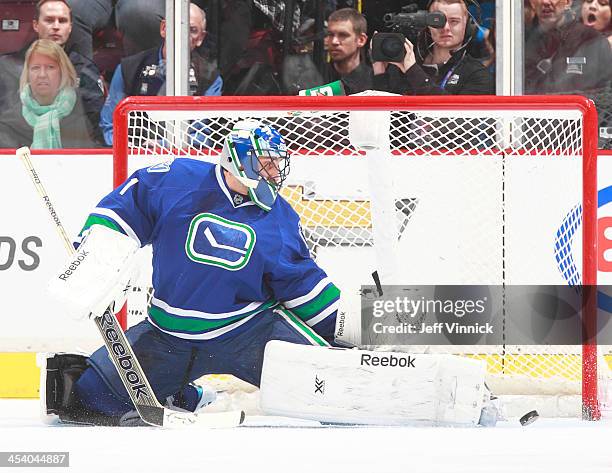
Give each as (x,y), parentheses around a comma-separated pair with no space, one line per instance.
(253,306)
(324,314)
(307,297)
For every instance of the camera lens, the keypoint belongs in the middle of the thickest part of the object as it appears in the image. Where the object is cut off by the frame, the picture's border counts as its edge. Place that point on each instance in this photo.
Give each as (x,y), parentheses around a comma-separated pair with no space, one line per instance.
(391,47)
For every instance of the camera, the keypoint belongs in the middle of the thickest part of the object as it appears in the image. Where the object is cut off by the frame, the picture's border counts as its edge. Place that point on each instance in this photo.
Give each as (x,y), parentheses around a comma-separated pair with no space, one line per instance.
(389,46)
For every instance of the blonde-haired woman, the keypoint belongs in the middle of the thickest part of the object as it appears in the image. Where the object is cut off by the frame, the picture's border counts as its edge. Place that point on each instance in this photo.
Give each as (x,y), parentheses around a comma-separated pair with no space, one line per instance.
(49,113)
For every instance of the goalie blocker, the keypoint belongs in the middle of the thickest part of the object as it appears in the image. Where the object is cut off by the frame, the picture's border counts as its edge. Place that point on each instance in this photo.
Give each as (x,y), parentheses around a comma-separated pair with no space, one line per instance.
(367,387)
(97,274)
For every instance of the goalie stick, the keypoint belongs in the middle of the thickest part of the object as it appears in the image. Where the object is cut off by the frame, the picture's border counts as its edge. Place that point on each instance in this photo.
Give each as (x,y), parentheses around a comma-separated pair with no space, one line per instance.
(121,353)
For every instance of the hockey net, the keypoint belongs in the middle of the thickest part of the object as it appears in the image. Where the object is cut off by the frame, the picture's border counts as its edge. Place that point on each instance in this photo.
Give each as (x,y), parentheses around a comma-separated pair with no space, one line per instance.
(462,191)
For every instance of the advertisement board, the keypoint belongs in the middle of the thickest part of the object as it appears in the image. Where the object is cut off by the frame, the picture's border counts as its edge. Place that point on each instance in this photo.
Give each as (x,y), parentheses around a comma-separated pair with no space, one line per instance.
(30,249)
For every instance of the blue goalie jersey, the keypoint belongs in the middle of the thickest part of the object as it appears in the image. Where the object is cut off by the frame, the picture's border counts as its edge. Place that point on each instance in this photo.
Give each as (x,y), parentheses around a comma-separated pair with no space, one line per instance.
(218,259)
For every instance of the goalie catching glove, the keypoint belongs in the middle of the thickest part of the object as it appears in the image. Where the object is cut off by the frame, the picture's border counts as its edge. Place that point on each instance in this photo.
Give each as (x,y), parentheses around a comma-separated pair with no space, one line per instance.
(97,274)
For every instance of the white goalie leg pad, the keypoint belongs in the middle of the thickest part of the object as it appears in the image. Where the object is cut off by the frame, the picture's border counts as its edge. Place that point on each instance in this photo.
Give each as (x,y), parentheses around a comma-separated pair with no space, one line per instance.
(367,387)
(96,274)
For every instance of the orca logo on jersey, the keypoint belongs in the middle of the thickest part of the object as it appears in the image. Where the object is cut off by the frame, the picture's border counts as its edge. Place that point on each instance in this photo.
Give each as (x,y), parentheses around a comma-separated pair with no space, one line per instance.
(216,241)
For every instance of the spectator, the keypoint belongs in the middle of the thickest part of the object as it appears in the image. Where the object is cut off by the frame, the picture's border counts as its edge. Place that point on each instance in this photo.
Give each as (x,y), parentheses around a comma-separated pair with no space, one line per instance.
(561,54)
(598,15)
(144,73)
(345,40)
(54,22)
(441,63)
(49,114)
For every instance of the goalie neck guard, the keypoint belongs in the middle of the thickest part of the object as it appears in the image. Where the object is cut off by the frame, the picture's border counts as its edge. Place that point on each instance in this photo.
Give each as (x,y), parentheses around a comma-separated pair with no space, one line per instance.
(256,155)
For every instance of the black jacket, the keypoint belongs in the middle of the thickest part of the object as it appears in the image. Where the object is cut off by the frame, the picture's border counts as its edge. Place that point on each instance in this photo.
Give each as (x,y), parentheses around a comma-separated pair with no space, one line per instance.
(90,85)
(356,81)
(461,75)
(16,132)
(571,58)
(138,83)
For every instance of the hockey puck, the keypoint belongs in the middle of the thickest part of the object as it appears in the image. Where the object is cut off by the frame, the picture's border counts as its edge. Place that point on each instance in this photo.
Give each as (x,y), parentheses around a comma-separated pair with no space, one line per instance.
(529,418)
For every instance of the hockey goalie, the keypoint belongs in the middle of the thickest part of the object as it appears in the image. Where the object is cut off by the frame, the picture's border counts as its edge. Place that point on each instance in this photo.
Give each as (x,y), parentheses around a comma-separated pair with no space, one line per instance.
(232,272)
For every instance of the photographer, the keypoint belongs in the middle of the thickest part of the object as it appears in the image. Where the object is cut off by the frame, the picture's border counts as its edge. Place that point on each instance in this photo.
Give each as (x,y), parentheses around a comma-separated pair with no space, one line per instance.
(440,62)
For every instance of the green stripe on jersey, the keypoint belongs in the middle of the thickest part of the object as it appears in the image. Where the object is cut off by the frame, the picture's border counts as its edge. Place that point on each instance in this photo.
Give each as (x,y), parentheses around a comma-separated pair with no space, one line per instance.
(309,333)
(193,325)
(98,220)
(312,308)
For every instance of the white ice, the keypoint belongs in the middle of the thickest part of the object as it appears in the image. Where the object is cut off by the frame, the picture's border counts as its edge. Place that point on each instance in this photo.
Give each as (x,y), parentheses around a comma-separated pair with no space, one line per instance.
(269,445)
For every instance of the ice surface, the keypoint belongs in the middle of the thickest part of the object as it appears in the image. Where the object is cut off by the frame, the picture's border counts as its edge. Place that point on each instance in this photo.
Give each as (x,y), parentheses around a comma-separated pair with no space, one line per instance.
(275,445)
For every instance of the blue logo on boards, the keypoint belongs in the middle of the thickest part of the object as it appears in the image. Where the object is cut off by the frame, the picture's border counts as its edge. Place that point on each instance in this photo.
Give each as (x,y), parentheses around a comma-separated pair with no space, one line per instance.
(563,240)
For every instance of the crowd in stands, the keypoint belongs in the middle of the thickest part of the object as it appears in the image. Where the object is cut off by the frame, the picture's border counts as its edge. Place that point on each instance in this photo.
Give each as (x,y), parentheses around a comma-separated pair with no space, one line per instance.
(563,54)
(53,22)
(60,87)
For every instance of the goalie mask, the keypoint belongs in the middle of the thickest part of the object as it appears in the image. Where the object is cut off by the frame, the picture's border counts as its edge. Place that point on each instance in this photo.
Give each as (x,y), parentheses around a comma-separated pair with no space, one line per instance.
(257,156)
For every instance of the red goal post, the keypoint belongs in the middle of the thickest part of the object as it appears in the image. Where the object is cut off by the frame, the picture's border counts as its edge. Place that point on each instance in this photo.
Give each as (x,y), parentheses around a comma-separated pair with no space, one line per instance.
(430,126)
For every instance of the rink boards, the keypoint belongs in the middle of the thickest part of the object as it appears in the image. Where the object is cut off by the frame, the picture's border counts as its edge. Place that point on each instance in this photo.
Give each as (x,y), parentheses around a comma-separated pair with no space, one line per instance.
(31,251)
